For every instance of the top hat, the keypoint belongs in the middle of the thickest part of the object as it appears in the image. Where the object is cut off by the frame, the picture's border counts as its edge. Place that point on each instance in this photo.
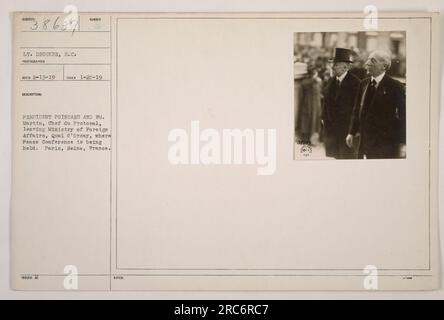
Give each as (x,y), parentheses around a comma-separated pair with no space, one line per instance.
(300,70)
(342,55)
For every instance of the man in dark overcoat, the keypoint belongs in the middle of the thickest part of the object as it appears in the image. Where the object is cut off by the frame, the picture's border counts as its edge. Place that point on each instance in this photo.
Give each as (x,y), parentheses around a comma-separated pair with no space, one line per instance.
(379,115)
(339,99)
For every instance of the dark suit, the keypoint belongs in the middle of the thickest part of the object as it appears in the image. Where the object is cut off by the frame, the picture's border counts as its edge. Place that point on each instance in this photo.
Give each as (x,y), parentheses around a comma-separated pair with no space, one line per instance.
(337,109)
(380,118)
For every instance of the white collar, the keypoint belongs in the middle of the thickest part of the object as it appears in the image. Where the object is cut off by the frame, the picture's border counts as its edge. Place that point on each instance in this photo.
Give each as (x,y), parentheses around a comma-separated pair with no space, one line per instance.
(342,77)
(378,78)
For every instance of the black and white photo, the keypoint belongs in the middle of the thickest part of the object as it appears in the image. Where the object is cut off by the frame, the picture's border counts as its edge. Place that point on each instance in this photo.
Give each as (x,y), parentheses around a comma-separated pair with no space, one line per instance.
(350,95)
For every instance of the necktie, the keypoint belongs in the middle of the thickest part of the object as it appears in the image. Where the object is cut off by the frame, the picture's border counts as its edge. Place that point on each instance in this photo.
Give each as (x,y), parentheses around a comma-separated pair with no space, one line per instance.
(370,93)
(335,89)
(368,100)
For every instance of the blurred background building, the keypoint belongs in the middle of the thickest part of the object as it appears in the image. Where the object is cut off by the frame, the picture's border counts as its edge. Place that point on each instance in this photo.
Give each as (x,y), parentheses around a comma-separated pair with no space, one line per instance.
(316,48)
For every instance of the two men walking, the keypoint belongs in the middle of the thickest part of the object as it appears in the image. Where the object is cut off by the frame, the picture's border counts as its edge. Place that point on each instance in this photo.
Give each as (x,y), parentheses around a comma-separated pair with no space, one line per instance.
(364,119)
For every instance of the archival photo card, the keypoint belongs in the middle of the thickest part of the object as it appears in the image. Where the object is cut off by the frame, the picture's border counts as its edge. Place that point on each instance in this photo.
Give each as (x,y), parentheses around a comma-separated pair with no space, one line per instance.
(197,151)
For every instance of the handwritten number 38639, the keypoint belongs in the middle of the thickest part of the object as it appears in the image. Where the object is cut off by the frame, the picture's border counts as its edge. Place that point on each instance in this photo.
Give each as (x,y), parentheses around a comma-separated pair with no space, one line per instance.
(56,25)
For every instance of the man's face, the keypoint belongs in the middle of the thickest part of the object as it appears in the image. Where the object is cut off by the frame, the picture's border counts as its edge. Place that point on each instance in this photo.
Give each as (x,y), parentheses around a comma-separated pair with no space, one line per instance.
(339,68)
(374,65)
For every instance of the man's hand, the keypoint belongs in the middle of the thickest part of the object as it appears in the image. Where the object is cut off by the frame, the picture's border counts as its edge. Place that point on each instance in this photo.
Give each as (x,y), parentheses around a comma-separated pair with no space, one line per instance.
(349,140)
(402,151)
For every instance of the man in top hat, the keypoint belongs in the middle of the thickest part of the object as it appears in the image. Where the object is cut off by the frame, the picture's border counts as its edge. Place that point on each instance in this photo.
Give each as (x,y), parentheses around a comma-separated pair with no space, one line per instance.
(379,115)
(339,99)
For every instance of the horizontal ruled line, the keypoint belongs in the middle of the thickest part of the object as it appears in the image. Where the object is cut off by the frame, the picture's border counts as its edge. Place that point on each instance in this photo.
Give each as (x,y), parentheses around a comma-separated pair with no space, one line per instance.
(68,31)
(65,47)
(65,80)
(274,275)
(64,64)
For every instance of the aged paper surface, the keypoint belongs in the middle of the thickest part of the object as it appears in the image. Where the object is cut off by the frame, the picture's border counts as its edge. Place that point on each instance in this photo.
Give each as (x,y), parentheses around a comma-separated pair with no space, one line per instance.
(105,196)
